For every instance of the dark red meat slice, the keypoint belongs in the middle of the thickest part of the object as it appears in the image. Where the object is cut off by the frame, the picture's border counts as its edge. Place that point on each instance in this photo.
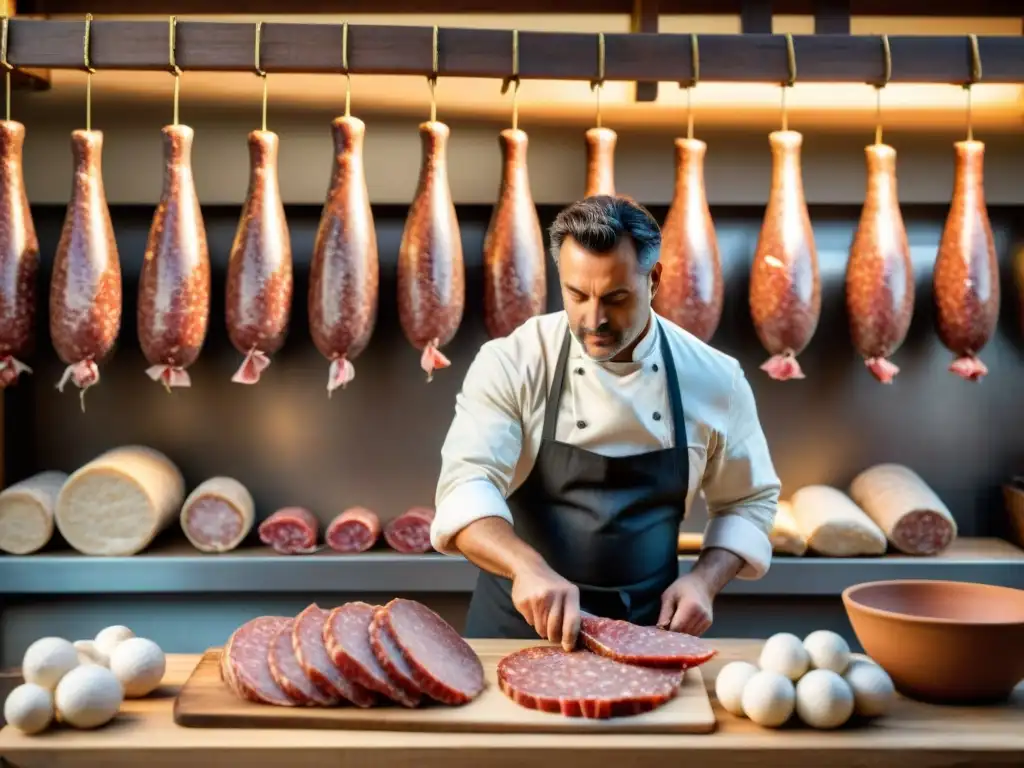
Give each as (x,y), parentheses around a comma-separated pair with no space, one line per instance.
(347,636)
(288,673)
(583,684)
(290,531)
(390,656)
(244,664)
(409,533)
(442,663)
(646,646)
(354,530)
(311,653)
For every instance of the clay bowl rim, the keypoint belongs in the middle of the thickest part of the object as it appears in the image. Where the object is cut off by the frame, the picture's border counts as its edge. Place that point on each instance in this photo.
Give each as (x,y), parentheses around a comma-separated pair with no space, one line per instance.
(850,601)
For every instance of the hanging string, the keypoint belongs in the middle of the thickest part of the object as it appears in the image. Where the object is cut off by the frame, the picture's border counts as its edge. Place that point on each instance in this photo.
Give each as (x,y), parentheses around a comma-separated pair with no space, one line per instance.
(260,73)
(172,37)
(790,81)
(975,77)
(598,84)
(6,67)
(344,68)
(694,80)
(513,80)
(432,79)
(87,61)
(886,77)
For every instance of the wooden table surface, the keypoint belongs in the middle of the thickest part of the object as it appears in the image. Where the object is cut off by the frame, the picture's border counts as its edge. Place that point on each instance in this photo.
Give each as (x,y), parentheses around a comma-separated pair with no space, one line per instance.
(912,736)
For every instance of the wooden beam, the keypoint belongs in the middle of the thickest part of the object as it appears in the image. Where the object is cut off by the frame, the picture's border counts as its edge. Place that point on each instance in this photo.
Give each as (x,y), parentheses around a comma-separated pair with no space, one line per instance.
(756,17)
(832,17)
(645,20)
(402,50)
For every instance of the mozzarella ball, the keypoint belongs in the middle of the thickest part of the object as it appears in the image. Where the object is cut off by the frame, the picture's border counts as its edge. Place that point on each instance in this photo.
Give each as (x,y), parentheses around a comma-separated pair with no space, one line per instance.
(88,653)
(768,698)
(729,685)
(29,708)
(108,639)
(139,665)
(47,660)
(873,691)
(88,696)
(827,650)
(785,654)
(823,699)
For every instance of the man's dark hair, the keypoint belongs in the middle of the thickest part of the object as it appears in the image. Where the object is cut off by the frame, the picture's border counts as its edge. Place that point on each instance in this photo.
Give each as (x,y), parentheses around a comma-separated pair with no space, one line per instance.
(598,222)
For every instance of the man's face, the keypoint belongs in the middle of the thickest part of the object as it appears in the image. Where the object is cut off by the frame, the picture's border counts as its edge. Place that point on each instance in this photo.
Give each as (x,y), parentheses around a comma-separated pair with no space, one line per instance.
(606,298)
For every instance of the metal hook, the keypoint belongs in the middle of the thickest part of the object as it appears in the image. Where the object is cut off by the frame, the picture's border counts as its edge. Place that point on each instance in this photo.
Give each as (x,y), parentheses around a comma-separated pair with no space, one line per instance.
(345,69)
(514,77)
(975,62)
(790,61)
(432,78)
(600,63)
(694,63)
(172,61)
(87,45)
(259,35)
(886,63)
(4,63)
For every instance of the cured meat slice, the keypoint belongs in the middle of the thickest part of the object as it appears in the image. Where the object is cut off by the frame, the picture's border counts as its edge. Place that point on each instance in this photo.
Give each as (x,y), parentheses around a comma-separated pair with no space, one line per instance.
(347,636)
(390,656)
(409,533)
(218,515)
(290,531)
(354,530)
(644,646)
(311,653)
(288,673)
(244,665)
(442,663)
(582,684)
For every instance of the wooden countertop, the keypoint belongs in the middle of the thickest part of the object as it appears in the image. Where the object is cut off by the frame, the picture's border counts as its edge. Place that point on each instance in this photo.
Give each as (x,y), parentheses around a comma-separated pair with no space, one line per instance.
(912,736)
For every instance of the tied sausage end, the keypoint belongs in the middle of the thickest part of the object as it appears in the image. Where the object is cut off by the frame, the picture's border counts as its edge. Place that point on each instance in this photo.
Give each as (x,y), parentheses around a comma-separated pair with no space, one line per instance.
(882,369)
(169,376)
(432,359)
(254,364)
(969,368)
(340,374)
(83,374)
(783,367)
(10,369)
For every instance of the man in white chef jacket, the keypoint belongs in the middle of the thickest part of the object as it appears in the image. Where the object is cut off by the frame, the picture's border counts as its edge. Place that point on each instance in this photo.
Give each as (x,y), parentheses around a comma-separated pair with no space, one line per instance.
(580,440)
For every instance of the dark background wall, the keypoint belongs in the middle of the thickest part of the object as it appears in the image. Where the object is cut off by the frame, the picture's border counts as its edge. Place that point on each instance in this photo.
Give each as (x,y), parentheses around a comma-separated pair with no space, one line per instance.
(377,442)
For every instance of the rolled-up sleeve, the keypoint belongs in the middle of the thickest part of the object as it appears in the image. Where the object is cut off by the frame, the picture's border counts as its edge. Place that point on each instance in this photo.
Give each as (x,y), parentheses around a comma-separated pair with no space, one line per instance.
(741,486)
(482,448)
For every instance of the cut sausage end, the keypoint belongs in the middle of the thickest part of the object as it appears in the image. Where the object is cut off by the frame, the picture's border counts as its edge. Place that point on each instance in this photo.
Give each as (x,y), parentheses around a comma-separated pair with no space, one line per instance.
(969,368)
(291,531)
(783,367)
(923,532)
(432,359)
(254,364)
(340,374)
(83,374)
(882,369)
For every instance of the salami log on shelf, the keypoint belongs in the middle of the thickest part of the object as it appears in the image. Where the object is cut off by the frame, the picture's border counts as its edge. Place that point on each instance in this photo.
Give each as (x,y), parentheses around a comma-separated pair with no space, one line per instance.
(515,277)
(600,162)
(244,663)
(966,280)
(259,286)
(912,516)
(431,273)
(354,530)
(116,504)
(786,536)
(344,275)
(218,515)
(879,273)
(409,533)
(644,646)
(692,289)
(785,288)
(174,287)
(19,258)
(311,652)
(833,525)
(291,531)
(85,289)
(288,673)
(26,512)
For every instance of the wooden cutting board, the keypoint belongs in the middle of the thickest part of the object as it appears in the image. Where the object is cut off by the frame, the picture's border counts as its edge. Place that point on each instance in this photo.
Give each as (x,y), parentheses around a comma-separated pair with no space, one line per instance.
(206,702)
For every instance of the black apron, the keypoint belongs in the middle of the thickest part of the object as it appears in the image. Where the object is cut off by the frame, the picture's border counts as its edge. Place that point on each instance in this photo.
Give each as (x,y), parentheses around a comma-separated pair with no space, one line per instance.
(610,525)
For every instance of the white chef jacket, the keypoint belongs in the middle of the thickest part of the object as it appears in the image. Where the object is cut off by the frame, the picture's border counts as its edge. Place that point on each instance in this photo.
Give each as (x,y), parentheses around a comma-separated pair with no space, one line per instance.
(494,438)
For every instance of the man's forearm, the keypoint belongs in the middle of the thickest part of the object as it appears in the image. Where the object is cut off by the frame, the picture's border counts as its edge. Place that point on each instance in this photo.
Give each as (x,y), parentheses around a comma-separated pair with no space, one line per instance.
(492,545)
(717,567)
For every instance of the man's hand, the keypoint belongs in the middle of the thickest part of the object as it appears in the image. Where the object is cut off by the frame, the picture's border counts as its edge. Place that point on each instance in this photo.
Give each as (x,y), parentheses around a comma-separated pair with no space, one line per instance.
(686,606)
(549,603)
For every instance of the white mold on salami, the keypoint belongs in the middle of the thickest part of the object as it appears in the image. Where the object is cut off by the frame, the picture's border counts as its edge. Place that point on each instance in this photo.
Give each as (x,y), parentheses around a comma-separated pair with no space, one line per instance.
(218,515)
(26,512)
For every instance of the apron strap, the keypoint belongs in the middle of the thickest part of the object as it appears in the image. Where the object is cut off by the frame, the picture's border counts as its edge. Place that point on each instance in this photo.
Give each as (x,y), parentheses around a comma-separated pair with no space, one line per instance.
(555,393)
(675,393)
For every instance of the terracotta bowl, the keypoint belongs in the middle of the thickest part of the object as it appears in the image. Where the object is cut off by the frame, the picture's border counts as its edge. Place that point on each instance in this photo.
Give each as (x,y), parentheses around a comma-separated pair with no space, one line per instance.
(942,641)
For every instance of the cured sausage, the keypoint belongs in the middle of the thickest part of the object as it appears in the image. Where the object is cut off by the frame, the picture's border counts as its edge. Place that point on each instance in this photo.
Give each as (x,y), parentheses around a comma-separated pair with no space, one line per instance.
(582,684)
(354,530)
(409,533)
(879,273)
(646,646)
(259,286)
(311,652)
(174,286)
(515,277)
(692,288)
(966,278)
(834,525)
(443,665)
(785,289)
(600,162)
(288,673)
(431,273)
(244,662)
(85,289)
(218,515)
(26,512)
(344,275)
(290,531)
(390,657)
(19,258)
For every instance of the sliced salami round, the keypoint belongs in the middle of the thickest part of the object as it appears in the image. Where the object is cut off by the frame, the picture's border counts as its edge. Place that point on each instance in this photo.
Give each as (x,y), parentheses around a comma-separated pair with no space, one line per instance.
(390,656)
(311,653)
(442,664)
(244,664)
(409,533)
(583,684)
(646,646)
(354,530)
(290,531)
(288,673)
(347,636)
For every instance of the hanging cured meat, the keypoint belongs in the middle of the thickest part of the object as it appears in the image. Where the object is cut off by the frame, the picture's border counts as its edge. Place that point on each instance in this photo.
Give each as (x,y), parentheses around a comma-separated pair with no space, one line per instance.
(515,281)
(174,287)
(85,289)
(431,274)
(600,162)
(966,279)
(19,258)
(879,273)
(785,290)
(692,288)
(259,289)
(345,274)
